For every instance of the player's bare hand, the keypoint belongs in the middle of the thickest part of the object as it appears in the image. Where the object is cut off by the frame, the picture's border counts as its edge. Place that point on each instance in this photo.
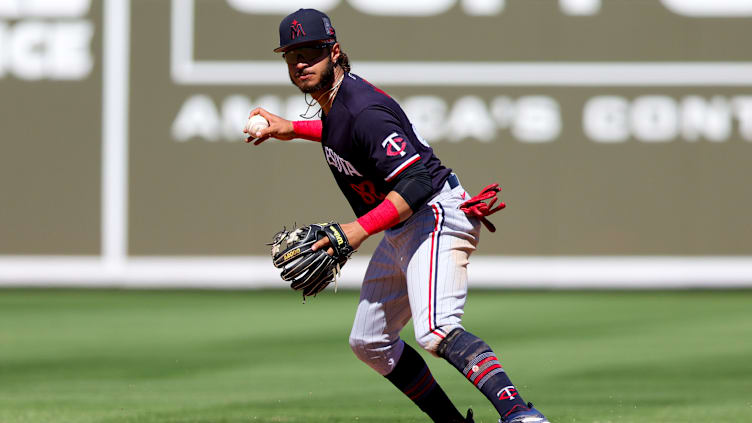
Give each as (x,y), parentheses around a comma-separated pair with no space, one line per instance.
(279,128)
(353,231)
(323,243)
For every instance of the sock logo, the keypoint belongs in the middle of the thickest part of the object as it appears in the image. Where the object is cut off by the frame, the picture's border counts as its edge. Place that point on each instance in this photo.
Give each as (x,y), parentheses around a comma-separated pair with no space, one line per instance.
(507,392)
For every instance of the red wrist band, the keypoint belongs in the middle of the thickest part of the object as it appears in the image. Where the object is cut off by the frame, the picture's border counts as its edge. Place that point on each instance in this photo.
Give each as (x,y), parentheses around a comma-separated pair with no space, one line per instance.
(308,129)
(384,216)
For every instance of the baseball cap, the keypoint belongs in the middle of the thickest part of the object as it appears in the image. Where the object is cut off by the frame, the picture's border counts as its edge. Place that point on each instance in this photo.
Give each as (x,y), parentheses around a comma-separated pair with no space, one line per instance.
(305,26)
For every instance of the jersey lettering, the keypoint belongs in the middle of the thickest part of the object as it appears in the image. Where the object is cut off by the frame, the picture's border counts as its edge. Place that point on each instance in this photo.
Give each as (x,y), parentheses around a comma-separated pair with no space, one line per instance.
(342,165)
(367,191)
(367,137)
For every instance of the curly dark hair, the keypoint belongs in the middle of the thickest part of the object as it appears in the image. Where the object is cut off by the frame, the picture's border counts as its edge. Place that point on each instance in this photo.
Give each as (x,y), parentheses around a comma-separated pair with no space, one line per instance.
(343,61)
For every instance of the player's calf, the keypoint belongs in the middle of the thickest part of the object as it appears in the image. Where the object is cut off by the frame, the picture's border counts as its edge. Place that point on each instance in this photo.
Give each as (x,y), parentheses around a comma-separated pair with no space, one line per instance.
(475,359)
(412,376)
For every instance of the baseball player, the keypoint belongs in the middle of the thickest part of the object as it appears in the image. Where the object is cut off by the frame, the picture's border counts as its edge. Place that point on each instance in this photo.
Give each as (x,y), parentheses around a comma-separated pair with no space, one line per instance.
(396,185)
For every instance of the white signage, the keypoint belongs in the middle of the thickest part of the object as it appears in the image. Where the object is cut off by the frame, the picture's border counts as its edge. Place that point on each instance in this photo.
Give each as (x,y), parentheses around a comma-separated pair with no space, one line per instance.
(34,49)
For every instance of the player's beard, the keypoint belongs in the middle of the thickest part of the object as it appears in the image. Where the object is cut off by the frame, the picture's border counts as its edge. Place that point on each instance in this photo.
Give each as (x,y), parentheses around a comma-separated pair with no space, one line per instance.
(325,83)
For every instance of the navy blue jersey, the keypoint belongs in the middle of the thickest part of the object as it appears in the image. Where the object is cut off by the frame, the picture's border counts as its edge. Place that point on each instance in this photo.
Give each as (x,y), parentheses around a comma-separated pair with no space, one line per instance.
(368,141)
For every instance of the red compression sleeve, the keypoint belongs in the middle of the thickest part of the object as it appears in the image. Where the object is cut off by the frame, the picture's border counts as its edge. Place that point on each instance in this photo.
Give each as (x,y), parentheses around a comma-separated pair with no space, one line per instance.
(308,129)
(382,217)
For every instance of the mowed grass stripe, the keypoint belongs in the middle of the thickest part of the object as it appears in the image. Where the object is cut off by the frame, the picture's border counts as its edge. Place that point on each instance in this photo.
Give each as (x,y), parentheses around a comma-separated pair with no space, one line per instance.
(262,356)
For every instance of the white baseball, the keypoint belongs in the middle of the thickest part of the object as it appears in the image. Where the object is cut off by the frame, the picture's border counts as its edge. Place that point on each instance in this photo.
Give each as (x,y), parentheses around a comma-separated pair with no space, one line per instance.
(255,124)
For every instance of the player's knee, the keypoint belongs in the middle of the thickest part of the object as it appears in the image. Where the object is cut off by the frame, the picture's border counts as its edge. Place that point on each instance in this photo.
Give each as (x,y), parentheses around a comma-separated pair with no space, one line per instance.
(430,340)
(359,346)
(365,349)
(380,356)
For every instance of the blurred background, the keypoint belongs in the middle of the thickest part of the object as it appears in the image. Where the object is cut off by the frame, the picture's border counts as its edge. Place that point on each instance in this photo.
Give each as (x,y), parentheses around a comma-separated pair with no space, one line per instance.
(620,131)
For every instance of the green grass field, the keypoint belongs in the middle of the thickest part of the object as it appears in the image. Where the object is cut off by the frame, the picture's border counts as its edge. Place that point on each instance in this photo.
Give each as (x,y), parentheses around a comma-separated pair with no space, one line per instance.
(191,356)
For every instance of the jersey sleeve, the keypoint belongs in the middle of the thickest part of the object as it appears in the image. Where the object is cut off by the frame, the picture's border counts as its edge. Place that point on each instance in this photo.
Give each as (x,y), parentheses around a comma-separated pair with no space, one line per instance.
(379,133)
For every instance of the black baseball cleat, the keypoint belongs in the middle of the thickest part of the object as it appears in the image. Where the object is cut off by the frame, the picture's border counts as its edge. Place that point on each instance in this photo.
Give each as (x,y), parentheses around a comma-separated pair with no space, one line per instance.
(522,414)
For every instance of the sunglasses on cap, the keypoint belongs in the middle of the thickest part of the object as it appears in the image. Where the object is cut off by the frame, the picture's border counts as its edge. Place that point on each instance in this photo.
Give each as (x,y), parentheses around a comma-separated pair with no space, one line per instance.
(306,54)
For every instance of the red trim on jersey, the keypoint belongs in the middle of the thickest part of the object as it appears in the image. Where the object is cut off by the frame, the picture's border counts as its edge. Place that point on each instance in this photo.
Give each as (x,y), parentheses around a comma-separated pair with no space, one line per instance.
(308,129)
(431,269)
(377,89)
(402,167)
(480,376)
(437,333)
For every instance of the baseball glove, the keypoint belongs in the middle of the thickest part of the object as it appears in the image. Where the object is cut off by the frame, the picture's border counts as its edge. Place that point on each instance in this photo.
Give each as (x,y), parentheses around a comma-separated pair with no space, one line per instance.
(310,271)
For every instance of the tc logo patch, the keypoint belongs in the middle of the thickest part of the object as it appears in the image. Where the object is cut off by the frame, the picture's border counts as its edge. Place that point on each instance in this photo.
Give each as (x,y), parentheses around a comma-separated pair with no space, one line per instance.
(507,392)
(395,145)
(296,29)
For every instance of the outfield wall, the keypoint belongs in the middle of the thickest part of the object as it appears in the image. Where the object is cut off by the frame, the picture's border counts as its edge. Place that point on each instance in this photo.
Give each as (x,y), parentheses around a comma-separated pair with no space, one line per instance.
(621,133)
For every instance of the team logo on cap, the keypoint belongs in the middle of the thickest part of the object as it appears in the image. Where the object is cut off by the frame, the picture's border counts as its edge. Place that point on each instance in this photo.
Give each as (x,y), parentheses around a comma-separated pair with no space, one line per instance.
(296,29)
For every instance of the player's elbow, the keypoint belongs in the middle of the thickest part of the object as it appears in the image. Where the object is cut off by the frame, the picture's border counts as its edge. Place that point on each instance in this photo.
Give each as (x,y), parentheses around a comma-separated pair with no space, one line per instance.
(414,186)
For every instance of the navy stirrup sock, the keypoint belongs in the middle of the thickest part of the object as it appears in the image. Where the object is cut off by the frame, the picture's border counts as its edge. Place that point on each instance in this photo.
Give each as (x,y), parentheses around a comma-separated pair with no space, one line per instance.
(412,376)
(475,359)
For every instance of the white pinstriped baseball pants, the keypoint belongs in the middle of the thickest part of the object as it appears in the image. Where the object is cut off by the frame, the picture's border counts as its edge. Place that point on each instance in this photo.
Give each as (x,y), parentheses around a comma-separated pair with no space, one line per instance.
(419,270)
